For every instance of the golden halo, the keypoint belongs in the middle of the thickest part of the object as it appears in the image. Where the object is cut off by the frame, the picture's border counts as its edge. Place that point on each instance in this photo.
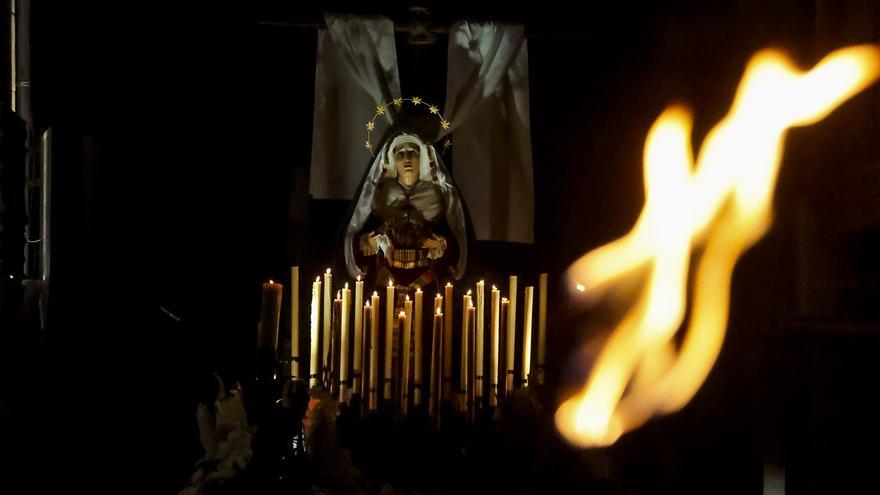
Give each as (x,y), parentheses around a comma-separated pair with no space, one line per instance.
(398,103)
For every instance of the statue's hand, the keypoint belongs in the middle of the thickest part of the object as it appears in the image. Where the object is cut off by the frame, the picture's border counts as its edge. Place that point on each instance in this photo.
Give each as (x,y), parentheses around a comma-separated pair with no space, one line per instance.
(436,246)
(369,243)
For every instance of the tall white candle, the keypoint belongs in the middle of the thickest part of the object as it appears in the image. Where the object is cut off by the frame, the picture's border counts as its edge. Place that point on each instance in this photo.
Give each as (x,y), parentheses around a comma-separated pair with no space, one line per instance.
(464,358)
(511,335)
(389,337)
(418,338)
(374,352)
(294,323)
(407,343)
(328,311)
(357,362)
(480,337)
(343,346)
(493,361)
(542,325)
(527,335)
(313,332)
(447,345)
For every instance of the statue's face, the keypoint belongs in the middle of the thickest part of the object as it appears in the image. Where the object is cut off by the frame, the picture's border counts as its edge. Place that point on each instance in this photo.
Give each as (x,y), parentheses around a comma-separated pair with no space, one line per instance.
(406,161)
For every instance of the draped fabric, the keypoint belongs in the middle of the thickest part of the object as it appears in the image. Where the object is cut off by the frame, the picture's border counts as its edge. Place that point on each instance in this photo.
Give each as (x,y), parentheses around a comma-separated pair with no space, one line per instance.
(487,104)
(356,71)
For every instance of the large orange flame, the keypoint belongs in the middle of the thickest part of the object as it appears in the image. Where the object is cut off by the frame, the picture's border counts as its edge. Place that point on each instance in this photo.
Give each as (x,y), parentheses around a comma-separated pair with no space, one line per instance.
(722,204)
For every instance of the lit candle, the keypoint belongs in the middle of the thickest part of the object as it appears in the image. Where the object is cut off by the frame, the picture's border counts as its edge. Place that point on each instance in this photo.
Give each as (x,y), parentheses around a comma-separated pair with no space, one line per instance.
(357,363)
(436,351)
(343,345)
(480,337)
(505,313)
(418,338)
(511,335)
(389,337)
(294,323)
(469,361)
(334,343)
(365,378)
(464,358)
(374,352)
(493,361)
(542,324)
(407,343)
(328,307)
(313,332)
(270,313)
(527,335)
(447,345)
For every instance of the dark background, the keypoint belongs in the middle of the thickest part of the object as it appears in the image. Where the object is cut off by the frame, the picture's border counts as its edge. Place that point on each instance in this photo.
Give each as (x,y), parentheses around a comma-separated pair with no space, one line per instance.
(182,147)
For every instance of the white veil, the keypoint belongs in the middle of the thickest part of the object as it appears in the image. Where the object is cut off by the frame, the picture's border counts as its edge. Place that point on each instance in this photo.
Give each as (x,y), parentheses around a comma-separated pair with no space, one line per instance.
(454,211)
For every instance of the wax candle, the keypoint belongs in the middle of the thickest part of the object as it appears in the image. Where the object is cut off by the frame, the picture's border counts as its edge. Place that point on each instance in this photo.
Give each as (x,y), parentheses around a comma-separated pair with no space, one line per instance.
(313,332)
(374,352)
(542,324)
(464,358)
(294,323)
(407,343)
(479,339)
(418,367)
(511,335)
(363,384)
(343,344)
(527,335)
(270,314)
(389,337)
(505,313)
(447,345)
(469,358)
(357,362)
(493,361)
(436,354)
(334,343)
(328,308)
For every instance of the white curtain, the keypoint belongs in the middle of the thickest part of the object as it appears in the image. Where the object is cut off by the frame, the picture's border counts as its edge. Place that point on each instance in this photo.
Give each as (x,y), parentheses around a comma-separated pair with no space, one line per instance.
(487,105)
(356,71)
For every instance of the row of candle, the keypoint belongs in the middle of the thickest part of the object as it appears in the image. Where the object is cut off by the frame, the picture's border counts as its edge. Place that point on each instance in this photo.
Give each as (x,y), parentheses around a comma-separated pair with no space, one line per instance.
(329,316)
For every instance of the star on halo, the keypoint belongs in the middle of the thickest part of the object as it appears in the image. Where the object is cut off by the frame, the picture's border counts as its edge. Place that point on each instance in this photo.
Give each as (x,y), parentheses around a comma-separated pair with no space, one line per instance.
(368,145)
(370,125)
(434,110)
(416,100)
(398,101)
(380,110)
(444,124)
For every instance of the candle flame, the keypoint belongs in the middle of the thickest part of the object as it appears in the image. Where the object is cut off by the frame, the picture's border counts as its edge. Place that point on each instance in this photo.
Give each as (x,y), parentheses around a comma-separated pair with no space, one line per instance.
(328,271)
(722,203)
(375,293)
(407,297)
(439,312)
(469,292)
(470,303)
(580,287)
(271,282)
(448,284)
(391,283)
(368,304)
(358,278)
(318,279)
(418,290)
(504,300)
(339,295)
(402,314)
(494,288)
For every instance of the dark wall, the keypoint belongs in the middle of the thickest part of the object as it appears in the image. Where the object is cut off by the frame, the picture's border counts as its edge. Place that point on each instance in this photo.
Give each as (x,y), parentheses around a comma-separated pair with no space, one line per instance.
(183,142)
